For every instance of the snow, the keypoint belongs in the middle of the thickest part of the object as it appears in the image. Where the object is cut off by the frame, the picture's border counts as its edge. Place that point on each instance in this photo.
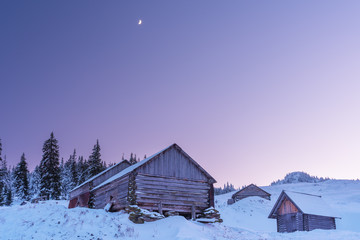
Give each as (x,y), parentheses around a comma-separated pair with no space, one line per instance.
(245,219)
(312,204)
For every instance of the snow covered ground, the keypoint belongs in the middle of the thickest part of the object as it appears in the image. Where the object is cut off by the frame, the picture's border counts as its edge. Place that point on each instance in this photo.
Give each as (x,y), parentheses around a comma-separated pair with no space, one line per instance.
(246,219)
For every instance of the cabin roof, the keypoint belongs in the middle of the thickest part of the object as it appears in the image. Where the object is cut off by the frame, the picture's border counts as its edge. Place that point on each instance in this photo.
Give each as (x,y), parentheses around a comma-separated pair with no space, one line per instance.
(149,159)
(251,185)
(99,174)
(305,203)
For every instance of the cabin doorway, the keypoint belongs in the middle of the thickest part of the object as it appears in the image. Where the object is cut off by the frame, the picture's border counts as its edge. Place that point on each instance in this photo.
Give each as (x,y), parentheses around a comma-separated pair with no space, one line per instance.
(290,222)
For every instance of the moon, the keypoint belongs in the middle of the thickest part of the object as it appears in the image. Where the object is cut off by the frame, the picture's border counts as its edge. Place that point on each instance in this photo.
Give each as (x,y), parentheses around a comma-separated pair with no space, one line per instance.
(140,22)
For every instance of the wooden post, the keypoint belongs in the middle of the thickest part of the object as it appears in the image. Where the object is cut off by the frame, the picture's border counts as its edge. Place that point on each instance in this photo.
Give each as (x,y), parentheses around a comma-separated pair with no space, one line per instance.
(211,195)
(160,208)
(193,216)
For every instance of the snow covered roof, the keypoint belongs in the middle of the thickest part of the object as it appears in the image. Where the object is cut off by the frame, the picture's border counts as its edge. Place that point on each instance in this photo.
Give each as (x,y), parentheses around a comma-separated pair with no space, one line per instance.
(249,186)
(137,165)
(306,203)
(99,174)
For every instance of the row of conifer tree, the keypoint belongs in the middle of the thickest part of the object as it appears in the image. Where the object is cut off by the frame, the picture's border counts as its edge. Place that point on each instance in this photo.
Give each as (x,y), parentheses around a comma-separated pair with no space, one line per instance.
(51,179)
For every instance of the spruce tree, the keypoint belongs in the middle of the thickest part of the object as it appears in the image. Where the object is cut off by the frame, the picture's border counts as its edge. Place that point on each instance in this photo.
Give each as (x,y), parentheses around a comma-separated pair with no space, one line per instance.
(72,166)
(21,182)
(132,159)
(2,176)
(68,176)
(7,196)
(50,186)
(34,183)
(95,163)
(81,168)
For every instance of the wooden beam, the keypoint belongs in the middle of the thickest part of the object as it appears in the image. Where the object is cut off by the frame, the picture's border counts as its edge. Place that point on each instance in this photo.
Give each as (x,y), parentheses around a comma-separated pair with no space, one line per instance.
(160,208)
(193,215)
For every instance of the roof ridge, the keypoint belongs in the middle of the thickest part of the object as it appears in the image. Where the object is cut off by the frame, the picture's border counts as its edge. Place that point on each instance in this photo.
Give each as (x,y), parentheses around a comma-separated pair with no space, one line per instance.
(303,193)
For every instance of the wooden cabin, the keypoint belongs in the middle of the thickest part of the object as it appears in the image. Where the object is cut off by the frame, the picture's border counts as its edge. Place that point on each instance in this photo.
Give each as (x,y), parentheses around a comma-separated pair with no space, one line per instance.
(170,180)
(296,211)
(250,191)
(80,195)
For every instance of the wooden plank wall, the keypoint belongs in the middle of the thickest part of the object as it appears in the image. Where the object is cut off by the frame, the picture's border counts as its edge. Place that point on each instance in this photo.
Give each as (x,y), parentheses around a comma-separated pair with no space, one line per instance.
(320,222)
(171,193)
(118,189)
(287,207)
(172,163)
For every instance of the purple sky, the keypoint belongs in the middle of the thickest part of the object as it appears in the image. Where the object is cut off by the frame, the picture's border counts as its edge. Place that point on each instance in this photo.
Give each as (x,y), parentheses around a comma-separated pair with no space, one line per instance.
(251,90)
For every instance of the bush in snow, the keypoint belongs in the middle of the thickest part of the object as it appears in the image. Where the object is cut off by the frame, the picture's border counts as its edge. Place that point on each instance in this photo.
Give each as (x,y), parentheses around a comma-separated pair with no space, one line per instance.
(209,215)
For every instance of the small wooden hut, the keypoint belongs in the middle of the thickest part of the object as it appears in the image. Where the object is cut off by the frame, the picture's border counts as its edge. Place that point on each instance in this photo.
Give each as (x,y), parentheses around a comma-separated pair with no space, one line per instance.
(80,195)
(296,211)
(250,191)
(170,180)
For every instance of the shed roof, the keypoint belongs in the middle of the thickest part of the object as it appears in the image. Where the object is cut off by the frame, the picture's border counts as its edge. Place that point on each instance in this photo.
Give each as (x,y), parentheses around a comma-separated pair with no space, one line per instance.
(149,159)
(99,174)
(251,185)
(306,203)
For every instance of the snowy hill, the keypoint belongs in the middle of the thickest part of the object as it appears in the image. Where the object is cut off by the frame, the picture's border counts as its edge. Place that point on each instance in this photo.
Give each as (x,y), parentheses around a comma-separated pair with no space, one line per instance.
(246,219)
(298,177)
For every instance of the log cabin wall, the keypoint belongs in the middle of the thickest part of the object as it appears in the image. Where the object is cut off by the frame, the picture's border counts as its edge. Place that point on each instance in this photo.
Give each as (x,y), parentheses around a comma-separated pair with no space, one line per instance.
(172,163)
(162,193)
(171,181)
(117,189)
(87,186)
(81,190)
(318,222)
(290,222)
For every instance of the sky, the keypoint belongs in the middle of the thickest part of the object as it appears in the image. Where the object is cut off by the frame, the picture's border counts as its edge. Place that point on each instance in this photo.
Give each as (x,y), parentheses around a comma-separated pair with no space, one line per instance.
(251,90)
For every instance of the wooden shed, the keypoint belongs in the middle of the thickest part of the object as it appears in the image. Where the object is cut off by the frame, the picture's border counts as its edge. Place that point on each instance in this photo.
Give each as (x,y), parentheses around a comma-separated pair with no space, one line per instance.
(80,195)
(250,191)
(296,211)
(169,180)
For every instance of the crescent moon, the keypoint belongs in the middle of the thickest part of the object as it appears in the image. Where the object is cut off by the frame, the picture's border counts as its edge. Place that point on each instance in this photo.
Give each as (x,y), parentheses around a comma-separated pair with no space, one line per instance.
(140,22)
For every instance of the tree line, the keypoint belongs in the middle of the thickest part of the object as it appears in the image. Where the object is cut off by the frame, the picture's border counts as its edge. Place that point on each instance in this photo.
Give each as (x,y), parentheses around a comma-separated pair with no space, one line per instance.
(52,179)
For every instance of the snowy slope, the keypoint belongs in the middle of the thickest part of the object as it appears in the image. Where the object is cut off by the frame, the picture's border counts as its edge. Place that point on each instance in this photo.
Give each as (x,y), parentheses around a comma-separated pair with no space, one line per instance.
(246,219)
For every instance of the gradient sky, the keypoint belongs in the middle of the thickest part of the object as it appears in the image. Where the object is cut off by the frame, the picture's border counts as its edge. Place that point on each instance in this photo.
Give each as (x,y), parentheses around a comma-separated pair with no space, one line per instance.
(251,90)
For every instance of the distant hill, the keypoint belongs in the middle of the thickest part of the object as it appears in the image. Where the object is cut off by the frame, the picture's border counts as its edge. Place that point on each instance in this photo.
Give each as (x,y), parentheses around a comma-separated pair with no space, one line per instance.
(298,177)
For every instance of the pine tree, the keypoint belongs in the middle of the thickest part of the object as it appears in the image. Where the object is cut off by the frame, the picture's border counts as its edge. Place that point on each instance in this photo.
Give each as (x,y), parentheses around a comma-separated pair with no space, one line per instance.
(95,164)
(7,184)
(50,186)
(2,176)
(74,173)
(81,168)
(69,176)
(132,159)
(21,182)
(34,183)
